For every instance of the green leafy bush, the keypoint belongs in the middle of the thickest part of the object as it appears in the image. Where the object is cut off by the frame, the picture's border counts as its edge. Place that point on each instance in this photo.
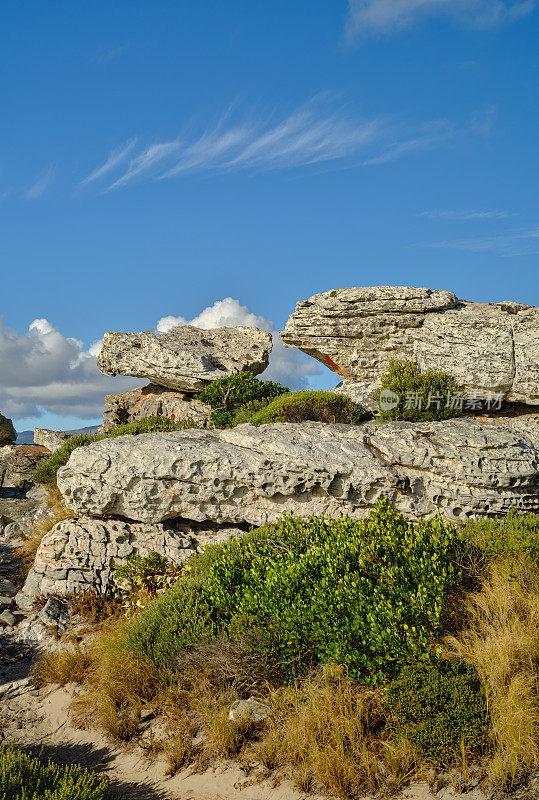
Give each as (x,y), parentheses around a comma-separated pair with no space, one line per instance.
(422,396)
(47,470)
(305,406)
(367,595)
(511,538)
(227,395)
(23,777)
(441,708)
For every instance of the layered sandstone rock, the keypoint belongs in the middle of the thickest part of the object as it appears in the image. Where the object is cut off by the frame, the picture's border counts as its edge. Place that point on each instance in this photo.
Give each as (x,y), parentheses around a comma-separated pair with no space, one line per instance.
(489,348)
(18,462)
(80,554)
(185,359)
(459,467)
(52,440)
(153,401)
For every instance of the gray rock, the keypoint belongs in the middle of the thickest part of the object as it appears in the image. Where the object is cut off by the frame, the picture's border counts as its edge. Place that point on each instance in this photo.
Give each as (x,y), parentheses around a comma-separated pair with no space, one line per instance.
(12,531)
(52,440)
(248,710)
(459,467)
(7,618)
(81,554)
(55,613)
(489,348)
(5,602)
(185,358)
(153,401)
(23,509)
(8,433)
(18,462)
(7,588)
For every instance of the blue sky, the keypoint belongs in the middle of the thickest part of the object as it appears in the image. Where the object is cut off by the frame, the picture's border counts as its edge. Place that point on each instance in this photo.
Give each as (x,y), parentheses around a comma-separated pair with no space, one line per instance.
(158,158)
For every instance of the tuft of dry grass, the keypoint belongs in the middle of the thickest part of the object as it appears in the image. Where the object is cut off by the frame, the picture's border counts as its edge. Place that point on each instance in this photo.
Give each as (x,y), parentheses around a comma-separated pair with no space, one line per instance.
(501,640)
(26,552)
(70,664)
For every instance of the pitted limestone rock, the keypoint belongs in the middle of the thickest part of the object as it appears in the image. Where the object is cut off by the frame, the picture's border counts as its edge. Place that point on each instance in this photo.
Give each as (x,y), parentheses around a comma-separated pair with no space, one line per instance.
(459,467)
(185,358)
(486,347)
(80,554)
(153,401)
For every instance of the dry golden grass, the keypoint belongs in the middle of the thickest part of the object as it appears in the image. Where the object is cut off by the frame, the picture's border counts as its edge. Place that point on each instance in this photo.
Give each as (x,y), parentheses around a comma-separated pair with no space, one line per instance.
(28,549)
(68,665)
(501,640)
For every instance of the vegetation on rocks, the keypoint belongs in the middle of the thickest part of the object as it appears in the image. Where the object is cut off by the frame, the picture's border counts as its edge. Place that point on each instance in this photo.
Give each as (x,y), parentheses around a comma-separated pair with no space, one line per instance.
(47,470)
(422,396)
(227,396)
(304,406)
(27,778)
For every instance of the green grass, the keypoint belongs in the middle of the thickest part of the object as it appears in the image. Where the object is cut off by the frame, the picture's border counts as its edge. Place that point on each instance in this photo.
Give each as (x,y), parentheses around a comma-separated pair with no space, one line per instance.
(47,470)
(514,538)
(23,777)
(305,406)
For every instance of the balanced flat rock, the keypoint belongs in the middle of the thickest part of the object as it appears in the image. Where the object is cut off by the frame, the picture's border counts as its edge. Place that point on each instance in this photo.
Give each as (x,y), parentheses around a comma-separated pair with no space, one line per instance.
(185,358)
(459,467)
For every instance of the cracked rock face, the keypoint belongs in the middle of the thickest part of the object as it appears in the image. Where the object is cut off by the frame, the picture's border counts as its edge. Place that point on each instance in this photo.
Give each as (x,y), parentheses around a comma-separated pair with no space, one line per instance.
(460,467)
(185,358)
(486,347)
(80,554)
(153,401)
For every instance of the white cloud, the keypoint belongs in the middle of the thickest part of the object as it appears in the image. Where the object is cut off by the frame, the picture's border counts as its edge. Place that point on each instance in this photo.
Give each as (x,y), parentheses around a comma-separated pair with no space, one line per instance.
(524,242)
(115,157)
(375,17)
(466,215)
(288,366)
(146,161)
(44,371)
(41,184)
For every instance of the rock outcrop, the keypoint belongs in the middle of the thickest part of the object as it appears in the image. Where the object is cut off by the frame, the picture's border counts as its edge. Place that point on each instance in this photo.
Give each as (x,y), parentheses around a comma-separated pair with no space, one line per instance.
(489,348)
(80,554)
(459,467)
(52,440)
(153,401)
(8,433)
(185,359)
(18,462)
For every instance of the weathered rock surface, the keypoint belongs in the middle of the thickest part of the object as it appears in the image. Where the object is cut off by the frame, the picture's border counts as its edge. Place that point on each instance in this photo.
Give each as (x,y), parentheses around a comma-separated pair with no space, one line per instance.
(153,401)
(18,462)
(19,512)
(185,358)
(52,440)
(487,347)
(8,433)
(80,554)
(458,467)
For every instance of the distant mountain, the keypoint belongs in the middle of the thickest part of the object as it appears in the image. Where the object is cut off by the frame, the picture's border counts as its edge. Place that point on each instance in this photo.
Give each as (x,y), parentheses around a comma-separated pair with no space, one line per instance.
(27,437)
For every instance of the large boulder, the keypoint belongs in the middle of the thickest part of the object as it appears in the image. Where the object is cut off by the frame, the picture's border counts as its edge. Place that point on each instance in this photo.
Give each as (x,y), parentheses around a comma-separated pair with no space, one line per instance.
(8,433)
(52,440)
(153,401)
(459,467)
(18,462)
(80,554)
(489,348)
(186,358)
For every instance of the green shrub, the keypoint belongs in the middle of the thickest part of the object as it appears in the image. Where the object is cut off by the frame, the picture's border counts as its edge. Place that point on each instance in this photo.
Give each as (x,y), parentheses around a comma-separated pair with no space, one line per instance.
(367,595)
(511,538)
(47,470)
(441,708)
(23,777)
(227,395)
(422,396)
(305,406)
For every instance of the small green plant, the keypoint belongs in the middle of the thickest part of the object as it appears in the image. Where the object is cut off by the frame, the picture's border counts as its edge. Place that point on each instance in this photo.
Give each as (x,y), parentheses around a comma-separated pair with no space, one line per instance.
(27,778)
(227,395)
(304,406)
(441,709)
(143,575)
(513,538)
(47,470)
(421,396)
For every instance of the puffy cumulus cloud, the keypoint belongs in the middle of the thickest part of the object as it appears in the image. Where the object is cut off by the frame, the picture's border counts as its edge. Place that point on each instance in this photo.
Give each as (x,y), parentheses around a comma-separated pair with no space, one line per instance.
(43,370)
(287,366)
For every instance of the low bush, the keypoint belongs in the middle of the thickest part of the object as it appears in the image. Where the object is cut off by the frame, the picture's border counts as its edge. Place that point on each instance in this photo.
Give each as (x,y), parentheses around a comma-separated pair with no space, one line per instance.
(417,396)
(514,538)
(227,395)
(304,406)
(27,778)
(441,709)
(47,470)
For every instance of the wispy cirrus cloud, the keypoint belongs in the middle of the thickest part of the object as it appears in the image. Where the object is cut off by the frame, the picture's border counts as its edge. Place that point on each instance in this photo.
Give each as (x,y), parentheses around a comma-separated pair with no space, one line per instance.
(477,214)
(507,244)
(386,17)
(41,184)
(312,134)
